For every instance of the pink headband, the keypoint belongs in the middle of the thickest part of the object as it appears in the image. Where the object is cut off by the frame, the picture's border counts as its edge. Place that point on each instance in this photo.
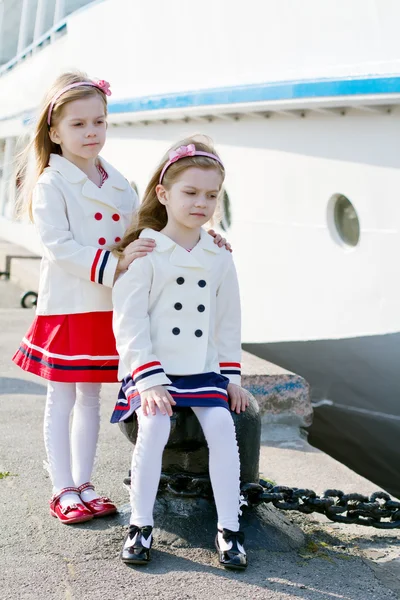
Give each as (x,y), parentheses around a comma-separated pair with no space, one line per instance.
(183,152)
(102,85)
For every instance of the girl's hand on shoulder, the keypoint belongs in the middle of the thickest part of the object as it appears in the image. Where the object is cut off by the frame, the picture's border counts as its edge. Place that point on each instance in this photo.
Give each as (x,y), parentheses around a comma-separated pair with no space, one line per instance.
(238,398)
(219,240)
(157,396)
(136,249)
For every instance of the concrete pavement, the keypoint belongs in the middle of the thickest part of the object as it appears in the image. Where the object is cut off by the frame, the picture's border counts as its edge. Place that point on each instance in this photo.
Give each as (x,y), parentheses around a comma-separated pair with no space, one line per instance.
(40,559)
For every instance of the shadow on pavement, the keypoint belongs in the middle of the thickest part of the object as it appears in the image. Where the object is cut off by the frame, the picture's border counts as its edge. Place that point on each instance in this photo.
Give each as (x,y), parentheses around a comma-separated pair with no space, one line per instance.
(258,577)
(12,385)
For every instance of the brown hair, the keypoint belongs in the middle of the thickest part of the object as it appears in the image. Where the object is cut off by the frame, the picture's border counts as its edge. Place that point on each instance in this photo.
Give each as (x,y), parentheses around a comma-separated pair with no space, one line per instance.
(41,143)
(152,214)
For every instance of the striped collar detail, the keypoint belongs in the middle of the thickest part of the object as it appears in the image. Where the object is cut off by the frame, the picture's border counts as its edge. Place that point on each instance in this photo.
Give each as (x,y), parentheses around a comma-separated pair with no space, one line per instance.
(74,174)
(103,173)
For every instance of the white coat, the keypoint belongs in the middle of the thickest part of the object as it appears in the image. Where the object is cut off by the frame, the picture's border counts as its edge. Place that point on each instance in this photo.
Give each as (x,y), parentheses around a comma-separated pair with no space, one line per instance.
(77,222)
(178,313)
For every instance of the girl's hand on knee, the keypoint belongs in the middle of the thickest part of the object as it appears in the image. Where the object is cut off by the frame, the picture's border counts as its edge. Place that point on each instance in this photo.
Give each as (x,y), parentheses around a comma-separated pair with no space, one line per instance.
(219,240)
(157,396)
(135,249)
(238,398)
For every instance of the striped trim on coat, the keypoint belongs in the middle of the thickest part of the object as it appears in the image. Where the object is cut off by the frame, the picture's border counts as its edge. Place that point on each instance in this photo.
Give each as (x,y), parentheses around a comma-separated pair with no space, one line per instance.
(98,266)
(230,368)
(147,370)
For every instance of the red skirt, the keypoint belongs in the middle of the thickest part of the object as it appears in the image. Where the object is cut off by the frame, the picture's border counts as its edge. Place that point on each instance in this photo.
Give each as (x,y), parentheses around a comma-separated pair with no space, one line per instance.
(70,348)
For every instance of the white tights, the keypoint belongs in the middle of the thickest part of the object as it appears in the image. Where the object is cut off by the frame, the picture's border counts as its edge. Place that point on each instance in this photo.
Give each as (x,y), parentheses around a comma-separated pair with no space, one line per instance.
(71,455)
(224,465)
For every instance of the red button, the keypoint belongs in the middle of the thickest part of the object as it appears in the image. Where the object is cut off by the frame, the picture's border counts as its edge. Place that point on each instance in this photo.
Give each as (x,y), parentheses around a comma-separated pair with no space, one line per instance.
(102,241)
(98,216)
(117,239)
(116,217)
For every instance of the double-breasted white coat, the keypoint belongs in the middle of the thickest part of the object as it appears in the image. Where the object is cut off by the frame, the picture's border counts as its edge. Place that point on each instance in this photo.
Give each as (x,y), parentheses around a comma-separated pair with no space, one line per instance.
(77,222)
(178,313)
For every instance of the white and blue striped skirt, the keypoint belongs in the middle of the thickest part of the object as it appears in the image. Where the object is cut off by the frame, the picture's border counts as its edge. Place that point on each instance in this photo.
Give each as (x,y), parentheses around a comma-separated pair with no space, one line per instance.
(204,389)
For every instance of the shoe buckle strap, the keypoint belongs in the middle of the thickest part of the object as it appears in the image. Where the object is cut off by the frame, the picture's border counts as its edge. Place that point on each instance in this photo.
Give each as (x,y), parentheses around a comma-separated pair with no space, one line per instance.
(86,486)
(72,490)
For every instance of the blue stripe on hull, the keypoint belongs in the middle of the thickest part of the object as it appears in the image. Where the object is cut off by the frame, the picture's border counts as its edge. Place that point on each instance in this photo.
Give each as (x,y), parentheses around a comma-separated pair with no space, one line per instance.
(259,92)
(263,92)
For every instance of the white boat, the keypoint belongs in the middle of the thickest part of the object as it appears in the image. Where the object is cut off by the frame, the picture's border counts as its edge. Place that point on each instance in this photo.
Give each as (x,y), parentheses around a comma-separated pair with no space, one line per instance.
(302,100)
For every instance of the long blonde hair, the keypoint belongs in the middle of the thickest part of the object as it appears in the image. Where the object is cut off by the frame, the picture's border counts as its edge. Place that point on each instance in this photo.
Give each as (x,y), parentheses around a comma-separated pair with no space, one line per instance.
(152,214)
(41,143)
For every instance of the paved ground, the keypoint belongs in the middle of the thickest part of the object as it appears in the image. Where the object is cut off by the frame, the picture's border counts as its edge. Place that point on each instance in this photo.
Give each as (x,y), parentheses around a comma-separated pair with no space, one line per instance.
(40,559)
(9,295)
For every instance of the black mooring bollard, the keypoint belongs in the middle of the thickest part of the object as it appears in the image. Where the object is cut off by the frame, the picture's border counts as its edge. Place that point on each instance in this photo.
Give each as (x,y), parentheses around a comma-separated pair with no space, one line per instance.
(186,519)
(186,452)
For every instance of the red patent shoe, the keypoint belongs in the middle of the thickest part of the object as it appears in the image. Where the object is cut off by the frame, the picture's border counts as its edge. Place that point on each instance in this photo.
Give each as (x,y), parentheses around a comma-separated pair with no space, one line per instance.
(74,513)
(99,507)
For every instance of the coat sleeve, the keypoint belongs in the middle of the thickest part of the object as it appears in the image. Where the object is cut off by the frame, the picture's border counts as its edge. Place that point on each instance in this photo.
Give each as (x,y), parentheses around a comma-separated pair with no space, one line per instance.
(131,324)
(51,222)
(228,325)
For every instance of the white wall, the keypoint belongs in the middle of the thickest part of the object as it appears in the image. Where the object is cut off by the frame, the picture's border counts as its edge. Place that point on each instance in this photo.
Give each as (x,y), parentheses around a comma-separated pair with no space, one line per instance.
(297,282)
(158,47)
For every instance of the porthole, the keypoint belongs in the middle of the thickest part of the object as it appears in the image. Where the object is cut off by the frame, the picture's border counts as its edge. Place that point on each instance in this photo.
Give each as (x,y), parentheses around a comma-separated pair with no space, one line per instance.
(226,215)
(343,221)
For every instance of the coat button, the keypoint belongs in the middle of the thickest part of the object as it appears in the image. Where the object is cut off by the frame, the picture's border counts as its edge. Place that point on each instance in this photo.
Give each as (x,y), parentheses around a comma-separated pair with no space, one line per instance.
(201,308)
(98,216)
(116,217)
(102,241)
(198,333)
(180,280)
(178,306)
(202,283)
(176,331)
(117,239)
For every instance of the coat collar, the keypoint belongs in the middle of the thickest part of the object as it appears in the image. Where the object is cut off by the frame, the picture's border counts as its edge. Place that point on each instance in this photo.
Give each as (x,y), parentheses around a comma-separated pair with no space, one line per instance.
(202,255)
(73,174)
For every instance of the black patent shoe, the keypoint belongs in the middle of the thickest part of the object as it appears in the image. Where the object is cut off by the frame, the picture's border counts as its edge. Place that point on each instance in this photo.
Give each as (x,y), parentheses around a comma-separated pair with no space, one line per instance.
(137,544)
(234,555)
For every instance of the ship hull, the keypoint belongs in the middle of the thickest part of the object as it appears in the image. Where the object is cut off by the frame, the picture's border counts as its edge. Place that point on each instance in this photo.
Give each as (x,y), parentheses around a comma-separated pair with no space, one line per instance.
(356,396)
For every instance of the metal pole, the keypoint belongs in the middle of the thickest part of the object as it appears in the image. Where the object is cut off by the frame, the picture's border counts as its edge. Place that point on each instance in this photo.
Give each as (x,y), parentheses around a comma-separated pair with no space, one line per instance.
(40,19)
(2,58)
(59,12)
(23,27)
(5,184)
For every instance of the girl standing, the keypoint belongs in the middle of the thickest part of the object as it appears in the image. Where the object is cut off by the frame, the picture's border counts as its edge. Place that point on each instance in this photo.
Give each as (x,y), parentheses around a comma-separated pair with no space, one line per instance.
(177,326)
(81,206)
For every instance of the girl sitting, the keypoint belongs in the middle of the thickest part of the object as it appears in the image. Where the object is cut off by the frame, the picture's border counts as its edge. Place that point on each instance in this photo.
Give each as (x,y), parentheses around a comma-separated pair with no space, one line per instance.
(177,327)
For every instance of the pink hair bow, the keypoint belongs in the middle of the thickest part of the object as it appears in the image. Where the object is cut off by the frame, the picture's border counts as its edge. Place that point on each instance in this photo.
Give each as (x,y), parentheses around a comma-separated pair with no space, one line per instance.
(181,152)
(104,86)
(184,151)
